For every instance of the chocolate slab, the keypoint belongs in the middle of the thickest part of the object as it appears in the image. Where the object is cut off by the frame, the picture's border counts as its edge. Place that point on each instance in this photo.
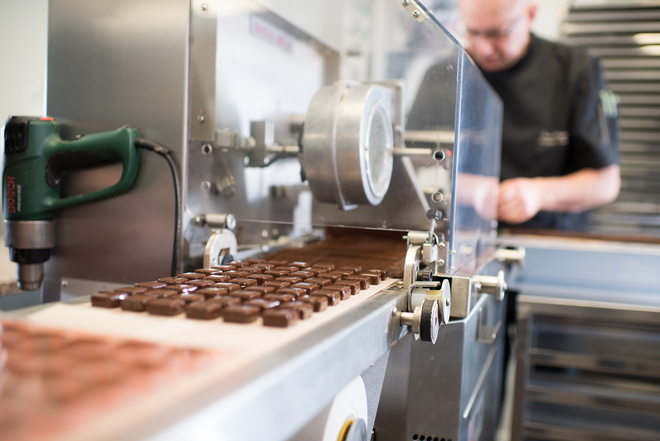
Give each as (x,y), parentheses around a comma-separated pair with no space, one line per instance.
(151,285)
(261,289)
(183,288)
(224,267)
(137,302)
(253,261)
(191,276)
(354,285)
(231,287)
(332,277)
(304,309)
(365,281)
(225,301)
(204,310)
(200,283)
(320,303)
(212,292)
(290,279)
(173,280)
(374,279)
(325,266)
(320,281)
(281,318)
(308,287)
(241,314)
(130,290)
(169,307)
(334,297)
(252,269)
(261,278)
(263,304)
(209,271)
(245,295)
(277,273)
(344,291)
(384,274)
(355,269)
(277,284)
(290,290)
(218,278)
(106,299)
(161,293)
(236,274)
(302,274)
(282,298)
(244,282)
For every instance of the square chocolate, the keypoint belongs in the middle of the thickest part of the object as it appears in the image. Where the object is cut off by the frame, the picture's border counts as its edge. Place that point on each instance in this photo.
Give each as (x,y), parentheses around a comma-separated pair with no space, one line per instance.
(261,289)
(261,278)
(278,262)
(151,285)
(277,273)
(302,274)
(304,309)
(231,287)
(245,295)
(374,279)
(191,276)
(332,277)
(173,280)
(208,271)
(218,278)
(200,283)
(344,291)
(169,307)
(281,318)
(224,267)
(236,274)
(325,266)
(107,299)
(264,266)
(263,304)
(278,284)
(355,269)
(130,290)
(204,310)
(365,281)
(183,288)
(334,297)
(137,302)
(320,303)
(293,291)
(253,261)
(241,314)
(161,293)
(308,287)
(320,281)
(244,282)
(384,274)
(282,298)
(212,292)
(225,301)
(290,279)
(252,269)
(299,264)
(354,285)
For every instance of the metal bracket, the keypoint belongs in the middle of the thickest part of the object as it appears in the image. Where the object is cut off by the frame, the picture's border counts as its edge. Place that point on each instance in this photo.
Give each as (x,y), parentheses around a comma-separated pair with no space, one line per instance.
(221,245)
(412,6)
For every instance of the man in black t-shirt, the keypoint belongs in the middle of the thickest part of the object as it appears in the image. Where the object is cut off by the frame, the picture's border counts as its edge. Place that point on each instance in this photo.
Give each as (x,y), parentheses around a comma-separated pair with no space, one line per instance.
(560,130)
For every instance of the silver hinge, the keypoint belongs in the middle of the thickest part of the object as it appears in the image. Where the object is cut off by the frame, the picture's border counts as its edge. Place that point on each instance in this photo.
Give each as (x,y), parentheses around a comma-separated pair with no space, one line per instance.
(415,10)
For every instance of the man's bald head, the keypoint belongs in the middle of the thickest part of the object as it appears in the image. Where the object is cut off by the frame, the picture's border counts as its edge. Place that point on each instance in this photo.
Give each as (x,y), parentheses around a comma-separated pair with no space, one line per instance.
(498,31)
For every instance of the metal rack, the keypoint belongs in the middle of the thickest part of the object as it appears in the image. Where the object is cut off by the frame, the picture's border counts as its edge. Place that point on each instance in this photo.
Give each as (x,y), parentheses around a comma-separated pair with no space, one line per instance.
(625,35)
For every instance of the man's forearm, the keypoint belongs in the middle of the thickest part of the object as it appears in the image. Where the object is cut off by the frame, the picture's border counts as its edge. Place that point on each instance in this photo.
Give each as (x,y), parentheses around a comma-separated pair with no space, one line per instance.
(580,191)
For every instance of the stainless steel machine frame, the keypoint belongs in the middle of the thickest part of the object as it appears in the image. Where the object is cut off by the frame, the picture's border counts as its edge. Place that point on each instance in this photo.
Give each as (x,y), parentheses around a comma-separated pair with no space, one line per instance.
(225,84)
(587,357)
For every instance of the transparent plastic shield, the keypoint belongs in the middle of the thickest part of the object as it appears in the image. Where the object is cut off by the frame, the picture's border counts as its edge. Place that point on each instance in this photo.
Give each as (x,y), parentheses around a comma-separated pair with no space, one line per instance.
(403,135)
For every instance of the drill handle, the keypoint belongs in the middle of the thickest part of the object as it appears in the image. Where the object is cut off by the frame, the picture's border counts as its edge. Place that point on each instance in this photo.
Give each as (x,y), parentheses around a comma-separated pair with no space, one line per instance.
(89,151)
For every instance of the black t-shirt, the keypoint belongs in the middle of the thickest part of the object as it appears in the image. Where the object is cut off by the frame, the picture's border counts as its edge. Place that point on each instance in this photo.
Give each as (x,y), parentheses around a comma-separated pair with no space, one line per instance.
(553,121)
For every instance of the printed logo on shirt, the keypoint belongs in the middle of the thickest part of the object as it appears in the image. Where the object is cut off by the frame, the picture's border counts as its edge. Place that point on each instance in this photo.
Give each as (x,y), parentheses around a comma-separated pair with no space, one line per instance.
(555,138)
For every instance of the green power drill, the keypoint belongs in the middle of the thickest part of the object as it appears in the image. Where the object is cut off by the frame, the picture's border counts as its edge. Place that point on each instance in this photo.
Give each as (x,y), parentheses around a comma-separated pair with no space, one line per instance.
(36,160)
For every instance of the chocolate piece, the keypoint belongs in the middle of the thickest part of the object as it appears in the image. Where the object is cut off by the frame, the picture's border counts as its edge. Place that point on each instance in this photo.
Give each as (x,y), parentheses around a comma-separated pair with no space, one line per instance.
(278,262)
(208,271)
(245,295)
(204,310)
(342,273)
(282,298)
(281,318)
(278,284)
(235,274)
(241,313)
(184,288)
(239,264)
(261,278)
(286,268)
(261,289)
(384,274)
(137,302)
(253,261)
(304,309)
(171,306)
(107,299)
(173,280)
(263,304)
(161,293)
(200,283)
(316,271)
(190,298)
(225,301)
(299,264)
(355,269)
(325,266)
(244,282)
(130,290)
(320,303)
(217,278)
(151,285)
(264,266)
(344,291)
(308,287)
(252,269)
(373,278)
(354,285)
(212,292)
(277,273)
(191,276)
(231,287)
(320,281)
(334,297)
(289,279)
(293,291)
(365,282)
(332,277)
(302,274)
(224,267)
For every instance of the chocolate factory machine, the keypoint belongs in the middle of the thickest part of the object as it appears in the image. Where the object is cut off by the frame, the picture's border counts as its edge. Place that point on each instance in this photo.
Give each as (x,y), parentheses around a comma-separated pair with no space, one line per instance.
(351,133)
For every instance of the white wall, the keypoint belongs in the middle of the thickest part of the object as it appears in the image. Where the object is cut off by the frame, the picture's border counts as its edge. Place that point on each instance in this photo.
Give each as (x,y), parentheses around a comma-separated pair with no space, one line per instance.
(23,38)
(549,16)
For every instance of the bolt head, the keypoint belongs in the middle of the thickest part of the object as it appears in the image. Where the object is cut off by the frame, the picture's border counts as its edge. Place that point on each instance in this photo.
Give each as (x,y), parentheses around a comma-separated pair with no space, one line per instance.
(416,14)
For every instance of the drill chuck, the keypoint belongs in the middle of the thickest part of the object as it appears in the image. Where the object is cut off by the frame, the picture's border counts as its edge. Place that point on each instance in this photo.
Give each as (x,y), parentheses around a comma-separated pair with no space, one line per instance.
(29,245)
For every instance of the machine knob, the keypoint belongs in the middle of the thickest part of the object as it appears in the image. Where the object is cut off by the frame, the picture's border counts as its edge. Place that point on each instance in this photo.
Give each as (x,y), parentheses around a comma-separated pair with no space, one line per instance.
(491,285)
(424,321)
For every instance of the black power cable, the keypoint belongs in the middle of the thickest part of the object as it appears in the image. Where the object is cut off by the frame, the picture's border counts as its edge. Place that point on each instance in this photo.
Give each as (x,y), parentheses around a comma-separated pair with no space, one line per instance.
(167,154)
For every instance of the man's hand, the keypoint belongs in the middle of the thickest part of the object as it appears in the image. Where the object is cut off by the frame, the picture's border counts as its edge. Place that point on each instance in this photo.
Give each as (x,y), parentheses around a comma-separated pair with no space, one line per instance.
(519,200)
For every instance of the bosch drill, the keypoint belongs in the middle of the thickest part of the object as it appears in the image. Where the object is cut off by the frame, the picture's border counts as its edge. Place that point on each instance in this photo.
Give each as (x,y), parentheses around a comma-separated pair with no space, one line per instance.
(36,160)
